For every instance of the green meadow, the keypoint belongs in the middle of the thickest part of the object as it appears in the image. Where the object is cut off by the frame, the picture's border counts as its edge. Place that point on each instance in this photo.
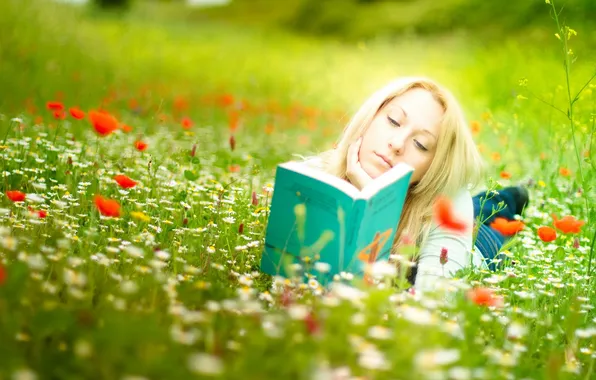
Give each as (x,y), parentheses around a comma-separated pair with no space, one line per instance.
(132,252)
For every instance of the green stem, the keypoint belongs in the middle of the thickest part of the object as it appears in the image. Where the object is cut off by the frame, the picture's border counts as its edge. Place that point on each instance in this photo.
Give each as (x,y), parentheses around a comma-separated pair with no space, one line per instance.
(591,255)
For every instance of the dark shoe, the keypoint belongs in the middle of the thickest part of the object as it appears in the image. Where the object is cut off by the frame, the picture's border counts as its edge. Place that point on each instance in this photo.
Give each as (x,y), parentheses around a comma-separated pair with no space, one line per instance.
(522,198)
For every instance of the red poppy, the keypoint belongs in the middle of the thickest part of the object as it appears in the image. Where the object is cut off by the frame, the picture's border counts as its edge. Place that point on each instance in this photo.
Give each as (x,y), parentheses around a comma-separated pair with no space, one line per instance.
(235,168)
(186,123)
(55,106)
(507,227)
(180,104)
(233,120)
(38,213)
(107,207)
(126,128)
(568,224)
(312,324)
(103,122)
(77,113)
(564,172)
(547,234)
(2,275)
(505,175)
(226,100)
(124,181)
(444,216)
(484,297)
(59,115)
(141,145)
(15,195)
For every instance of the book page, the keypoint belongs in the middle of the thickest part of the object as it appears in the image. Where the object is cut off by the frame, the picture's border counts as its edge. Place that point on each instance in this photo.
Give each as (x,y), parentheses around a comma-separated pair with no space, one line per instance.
(379,222)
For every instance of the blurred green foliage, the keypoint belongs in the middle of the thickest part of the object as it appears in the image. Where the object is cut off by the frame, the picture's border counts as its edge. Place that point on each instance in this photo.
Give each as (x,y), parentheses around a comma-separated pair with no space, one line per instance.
(111,4)
(366,19)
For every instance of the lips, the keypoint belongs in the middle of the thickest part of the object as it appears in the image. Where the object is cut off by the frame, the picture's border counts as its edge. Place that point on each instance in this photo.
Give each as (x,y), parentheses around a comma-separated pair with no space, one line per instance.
(385,159)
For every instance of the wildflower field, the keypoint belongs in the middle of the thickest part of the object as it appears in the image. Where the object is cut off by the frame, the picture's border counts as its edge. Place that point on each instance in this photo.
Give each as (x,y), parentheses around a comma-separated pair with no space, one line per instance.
(137,163)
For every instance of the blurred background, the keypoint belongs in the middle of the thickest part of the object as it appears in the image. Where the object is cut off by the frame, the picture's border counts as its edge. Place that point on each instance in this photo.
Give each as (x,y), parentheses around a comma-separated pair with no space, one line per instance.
(328,55)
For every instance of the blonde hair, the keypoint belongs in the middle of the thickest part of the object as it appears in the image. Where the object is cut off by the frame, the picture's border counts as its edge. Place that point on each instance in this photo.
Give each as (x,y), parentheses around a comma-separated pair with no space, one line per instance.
(456,165)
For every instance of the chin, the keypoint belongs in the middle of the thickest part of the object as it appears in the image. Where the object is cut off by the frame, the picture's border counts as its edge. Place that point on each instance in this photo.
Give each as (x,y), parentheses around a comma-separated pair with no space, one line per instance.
(372,171)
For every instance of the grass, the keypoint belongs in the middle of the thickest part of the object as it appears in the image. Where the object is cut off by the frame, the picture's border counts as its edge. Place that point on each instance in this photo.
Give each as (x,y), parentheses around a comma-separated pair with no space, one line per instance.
(171,288)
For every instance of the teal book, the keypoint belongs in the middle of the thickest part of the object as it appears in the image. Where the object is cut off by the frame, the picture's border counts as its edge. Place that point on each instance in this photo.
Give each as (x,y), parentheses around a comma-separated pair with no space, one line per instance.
(317,217)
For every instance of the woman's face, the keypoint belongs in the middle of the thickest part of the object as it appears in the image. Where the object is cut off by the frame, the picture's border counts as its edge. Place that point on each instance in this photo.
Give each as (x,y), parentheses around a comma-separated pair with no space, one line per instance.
(404,130)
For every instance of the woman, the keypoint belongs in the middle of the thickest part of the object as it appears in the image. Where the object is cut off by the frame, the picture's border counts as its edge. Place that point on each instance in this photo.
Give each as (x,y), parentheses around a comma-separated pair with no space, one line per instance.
(418,122)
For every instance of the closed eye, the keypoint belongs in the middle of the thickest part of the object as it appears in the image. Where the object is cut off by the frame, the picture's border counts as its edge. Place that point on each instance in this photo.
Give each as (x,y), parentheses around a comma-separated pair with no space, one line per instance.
(420,146)
(393,122)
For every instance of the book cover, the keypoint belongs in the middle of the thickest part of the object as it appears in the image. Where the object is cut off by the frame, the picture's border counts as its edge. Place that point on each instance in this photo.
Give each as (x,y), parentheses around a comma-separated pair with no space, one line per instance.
(316,217)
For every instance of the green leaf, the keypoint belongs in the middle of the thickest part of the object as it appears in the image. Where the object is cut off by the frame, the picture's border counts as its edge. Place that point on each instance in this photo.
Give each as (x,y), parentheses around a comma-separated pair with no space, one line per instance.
(190,175)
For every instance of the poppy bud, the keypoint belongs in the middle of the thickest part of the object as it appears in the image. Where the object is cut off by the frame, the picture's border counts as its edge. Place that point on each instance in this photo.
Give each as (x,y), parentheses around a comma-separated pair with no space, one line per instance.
(232,142)
(185,221)
(255,200)
(69,160)
(576,243)
(241,228)
(443,258)
(194,150)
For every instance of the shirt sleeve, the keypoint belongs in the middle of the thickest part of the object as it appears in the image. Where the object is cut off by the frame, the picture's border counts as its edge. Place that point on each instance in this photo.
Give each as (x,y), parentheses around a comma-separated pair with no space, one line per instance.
(459,246)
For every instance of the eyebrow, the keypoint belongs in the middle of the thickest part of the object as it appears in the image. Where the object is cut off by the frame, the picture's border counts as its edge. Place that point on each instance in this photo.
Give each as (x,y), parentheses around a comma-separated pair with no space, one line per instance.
(423,129)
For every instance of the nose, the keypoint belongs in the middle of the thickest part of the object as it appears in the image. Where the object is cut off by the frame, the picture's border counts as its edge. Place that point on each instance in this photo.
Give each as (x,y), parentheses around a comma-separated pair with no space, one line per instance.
(397,142)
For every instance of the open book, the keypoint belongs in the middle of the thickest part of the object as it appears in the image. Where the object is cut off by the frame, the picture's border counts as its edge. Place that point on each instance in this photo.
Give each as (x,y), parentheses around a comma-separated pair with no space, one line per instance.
(317,217)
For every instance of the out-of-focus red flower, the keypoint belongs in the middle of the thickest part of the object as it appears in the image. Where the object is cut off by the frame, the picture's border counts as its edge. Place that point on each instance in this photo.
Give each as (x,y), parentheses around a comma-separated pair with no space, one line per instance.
(2,275)
(38,213)
(77,113)
(186,123)
(484,297)
(564,172)
(235,168)
(568,224)
(445,217)
(547,234)
(140,145)
(107,207)
(55,106)
(103,123)
(312,324)
(59,115)
(505,175)
(126,128)
(16,195)
(233,120)
(507,227)
(124,181)
(226,100)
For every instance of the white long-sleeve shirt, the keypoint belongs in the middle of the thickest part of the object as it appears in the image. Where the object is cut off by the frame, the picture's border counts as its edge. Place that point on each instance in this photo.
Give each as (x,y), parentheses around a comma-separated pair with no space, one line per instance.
(461,252)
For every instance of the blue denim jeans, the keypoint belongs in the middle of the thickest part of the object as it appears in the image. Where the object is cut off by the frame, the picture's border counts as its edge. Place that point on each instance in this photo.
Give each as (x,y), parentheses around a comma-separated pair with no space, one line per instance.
(489,241)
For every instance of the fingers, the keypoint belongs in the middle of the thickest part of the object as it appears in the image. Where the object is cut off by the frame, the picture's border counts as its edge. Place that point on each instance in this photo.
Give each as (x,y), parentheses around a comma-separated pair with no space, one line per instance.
(352,160)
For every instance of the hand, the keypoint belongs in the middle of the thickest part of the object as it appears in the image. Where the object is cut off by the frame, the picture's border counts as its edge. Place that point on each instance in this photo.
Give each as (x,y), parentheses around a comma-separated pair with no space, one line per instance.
(356,175)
